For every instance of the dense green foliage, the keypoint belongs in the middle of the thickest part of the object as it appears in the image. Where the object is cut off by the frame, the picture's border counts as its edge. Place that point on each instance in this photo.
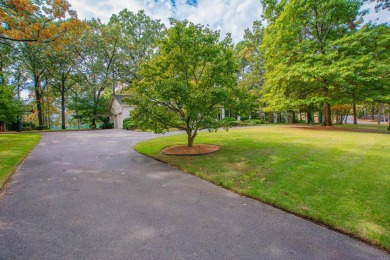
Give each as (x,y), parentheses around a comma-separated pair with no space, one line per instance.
(187,81)
(251,59)
(303,56)
(286,167)
(129,124)
(10,107)
(72,76)
(316,53)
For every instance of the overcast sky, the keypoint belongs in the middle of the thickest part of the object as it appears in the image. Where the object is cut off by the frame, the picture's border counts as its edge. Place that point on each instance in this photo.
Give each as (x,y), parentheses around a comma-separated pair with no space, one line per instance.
(228,16)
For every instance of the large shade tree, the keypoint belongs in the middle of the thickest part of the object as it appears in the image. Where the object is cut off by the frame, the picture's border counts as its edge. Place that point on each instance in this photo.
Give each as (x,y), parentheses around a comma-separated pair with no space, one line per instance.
(251,59)
(97,52)
(298,46)
(362,59)
(137,32)
(192,75)
(35,61)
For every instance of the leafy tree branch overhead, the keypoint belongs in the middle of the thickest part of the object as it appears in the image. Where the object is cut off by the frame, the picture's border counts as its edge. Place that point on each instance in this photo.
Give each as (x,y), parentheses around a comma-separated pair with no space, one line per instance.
(34,20)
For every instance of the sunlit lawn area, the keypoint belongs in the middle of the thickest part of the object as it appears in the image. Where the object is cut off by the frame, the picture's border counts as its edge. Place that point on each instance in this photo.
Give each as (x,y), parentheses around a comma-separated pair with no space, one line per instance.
(382,128)
(338,178)
(13,148)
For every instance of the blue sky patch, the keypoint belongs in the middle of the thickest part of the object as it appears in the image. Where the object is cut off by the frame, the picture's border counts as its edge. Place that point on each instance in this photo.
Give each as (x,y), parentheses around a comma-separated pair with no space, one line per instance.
(174,3)
(192,2)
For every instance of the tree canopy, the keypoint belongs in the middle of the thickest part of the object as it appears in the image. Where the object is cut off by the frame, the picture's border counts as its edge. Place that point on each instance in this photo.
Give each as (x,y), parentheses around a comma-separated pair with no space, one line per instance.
(183,85)
(305,47)
(34,20)
(307,56)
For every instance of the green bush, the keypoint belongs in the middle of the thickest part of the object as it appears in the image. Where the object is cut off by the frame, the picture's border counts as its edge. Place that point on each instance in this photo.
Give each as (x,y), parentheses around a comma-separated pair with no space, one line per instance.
(129,124)
(125,121)
(106,125)
(253,122)
(41,127)
(227,121)
(28,126)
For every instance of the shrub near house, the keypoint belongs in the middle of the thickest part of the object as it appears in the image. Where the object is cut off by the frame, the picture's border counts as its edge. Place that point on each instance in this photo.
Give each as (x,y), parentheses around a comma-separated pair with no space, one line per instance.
(129,124)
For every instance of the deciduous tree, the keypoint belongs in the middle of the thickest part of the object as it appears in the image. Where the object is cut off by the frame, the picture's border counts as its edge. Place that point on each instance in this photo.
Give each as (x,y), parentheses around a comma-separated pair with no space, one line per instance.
(297,47)
(62,69)
(184,84)
(35,60)
(97,50)
(138,33)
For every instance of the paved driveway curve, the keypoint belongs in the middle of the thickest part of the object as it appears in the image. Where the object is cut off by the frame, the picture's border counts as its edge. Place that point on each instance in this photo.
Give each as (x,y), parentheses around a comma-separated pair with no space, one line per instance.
(88,195)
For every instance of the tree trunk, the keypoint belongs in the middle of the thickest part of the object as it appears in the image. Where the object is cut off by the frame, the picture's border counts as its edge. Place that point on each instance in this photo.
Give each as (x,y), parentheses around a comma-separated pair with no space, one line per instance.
(278,117)
(38,101)
(190,140)
(346,117)
(372,111)
(190,136)
(320,119)
(271,117)
(1,71)
(93,123)
(380,108)
(364,111)
(327,115)
(389,120)
(48,112)
(293,117)
(354,114)
(63,126)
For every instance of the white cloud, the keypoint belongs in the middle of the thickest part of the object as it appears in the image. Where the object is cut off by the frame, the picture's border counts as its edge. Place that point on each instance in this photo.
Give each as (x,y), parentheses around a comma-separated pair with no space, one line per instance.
(380,17)
(228,16)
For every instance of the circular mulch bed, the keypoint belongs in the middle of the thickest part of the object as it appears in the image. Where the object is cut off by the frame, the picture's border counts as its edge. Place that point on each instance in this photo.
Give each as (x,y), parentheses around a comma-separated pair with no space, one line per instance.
(196,149)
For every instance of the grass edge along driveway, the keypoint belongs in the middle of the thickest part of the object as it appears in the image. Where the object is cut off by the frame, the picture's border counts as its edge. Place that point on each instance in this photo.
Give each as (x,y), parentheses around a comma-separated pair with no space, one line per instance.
(340,179)
(13,149)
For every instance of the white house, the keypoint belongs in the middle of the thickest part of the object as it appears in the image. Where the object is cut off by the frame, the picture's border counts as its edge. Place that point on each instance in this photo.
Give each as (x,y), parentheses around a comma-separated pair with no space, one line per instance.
(119,110)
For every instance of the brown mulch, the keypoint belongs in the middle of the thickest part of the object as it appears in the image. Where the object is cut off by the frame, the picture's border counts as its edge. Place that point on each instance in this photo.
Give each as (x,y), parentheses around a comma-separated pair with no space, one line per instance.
(196,149)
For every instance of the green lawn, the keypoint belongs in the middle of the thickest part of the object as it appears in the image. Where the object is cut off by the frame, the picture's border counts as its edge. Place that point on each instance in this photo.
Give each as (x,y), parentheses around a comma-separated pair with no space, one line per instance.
(381,128)
(341,179)
(13,148)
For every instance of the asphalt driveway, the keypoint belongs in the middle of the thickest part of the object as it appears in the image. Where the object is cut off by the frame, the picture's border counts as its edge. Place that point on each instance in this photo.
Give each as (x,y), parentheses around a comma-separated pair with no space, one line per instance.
(89,195)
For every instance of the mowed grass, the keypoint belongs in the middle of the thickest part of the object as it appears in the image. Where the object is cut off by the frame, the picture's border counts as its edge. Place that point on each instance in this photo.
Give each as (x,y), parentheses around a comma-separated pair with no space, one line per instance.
(13,148)
(380,128)
(341,179)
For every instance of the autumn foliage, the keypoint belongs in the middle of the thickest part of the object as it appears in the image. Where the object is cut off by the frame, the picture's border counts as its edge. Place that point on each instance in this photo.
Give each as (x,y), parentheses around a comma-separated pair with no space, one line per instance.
(34,20)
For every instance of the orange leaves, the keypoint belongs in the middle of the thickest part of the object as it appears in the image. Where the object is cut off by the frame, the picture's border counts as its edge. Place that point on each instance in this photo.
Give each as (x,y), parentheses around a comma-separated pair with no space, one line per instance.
(21,6)
(23,21)
(67,32)
(58,9)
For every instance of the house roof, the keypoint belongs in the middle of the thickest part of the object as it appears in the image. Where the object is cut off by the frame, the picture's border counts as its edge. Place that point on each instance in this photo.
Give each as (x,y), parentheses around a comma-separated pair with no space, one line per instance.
(119,98)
